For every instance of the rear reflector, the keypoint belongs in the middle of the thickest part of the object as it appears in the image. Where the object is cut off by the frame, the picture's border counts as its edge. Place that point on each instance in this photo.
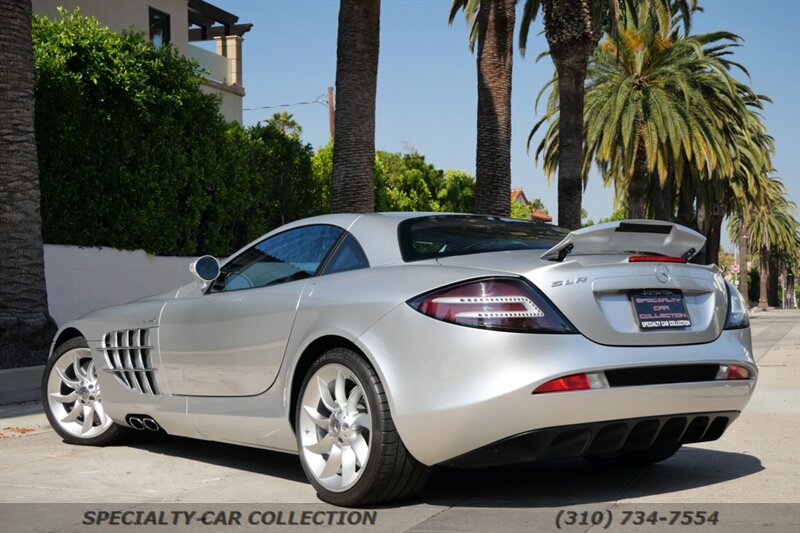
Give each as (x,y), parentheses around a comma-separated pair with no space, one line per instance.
(655,259)
(732,372)
(583,381)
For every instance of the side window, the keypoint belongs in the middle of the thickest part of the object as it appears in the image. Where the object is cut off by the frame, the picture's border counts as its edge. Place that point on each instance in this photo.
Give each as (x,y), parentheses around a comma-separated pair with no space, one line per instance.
(348,256)
(288,256)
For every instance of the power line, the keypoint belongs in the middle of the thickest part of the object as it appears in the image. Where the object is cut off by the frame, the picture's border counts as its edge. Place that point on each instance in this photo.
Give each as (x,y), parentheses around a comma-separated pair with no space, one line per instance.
(321,100)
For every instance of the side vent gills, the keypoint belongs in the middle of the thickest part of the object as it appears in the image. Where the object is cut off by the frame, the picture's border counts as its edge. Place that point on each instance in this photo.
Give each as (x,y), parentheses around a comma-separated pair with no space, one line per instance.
(128,358)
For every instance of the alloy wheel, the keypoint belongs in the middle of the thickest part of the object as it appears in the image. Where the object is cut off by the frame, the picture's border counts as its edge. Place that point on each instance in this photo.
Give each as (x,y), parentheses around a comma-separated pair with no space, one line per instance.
(73,395)
(335,427)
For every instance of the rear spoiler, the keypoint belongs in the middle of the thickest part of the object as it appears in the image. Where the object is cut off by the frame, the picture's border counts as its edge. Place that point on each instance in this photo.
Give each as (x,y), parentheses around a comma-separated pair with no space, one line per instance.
(629,236)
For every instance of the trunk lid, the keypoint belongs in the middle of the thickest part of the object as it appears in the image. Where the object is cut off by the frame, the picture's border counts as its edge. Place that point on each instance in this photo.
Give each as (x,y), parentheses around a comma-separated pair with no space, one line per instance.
(596,295)
(594,285)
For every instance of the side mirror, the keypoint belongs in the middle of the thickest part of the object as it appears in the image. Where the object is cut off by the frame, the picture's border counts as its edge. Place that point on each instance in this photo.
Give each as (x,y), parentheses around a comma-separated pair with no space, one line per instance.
(205,270)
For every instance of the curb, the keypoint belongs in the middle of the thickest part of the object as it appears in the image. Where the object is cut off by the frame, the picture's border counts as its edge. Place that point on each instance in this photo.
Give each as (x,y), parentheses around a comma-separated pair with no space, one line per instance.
(20,384)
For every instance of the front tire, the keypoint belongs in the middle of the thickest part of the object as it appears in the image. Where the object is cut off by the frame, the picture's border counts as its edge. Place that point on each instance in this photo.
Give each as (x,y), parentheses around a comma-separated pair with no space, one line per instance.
(348,444)
(72,399)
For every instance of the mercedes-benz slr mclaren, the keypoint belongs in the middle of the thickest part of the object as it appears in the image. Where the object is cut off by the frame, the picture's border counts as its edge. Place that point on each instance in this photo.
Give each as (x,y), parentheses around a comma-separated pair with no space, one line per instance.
(376,346)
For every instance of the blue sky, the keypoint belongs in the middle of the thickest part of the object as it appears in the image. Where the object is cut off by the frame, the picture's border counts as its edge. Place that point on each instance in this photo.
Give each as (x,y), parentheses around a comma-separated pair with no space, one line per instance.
(426,80)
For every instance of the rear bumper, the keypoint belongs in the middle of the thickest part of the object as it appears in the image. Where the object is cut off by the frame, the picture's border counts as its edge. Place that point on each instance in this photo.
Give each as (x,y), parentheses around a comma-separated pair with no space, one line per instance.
(454,389)
(599,438)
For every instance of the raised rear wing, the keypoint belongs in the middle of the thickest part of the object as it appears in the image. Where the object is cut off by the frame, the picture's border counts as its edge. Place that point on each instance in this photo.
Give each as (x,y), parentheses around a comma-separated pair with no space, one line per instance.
(630,236)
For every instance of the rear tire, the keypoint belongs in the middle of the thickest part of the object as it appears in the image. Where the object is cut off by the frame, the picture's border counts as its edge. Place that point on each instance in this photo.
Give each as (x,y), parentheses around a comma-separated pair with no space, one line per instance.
(348,444)
(652,455)
(72,400)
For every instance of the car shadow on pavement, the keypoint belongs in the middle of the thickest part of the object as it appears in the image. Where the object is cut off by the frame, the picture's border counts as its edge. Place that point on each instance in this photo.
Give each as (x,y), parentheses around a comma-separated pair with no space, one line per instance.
(577,482)
(269,463)
(545,484)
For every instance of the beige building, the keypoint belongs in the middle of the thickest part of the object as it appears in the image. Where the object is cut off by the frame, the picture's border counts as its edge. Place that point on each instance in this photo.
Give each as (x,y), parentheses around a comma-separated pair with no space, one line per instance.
(183,23)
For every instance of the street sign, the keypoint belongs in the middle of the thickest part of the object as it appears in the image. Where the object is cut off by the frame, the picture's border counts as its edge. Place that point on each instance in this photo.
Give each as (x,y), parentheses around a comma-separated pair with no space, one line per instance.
(735,268)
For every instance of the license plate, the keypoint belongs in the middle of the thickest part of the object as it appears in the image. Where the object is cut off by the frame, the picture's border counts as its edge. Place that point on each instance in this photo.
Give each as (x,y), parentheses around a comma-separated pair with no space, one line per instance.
(660,308)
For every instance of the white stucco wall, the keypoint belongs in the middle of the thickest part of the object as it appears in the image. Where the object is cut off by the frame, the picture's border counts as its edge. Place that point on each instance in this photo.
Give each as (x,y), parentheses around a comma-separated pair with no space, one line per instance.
(80,280)
(126,14)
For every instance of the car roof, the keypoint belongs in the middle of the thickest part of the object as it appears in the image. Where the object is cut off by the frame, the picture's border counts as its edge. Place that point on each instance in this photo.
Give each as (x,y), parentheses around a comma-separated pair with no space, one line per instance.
(376,232)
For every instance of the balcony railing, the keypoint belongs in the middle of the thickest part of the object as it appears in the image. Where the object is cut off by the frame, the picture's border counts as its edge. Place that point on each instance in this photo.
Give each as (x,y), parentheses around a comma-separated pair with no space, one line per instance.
(217,67)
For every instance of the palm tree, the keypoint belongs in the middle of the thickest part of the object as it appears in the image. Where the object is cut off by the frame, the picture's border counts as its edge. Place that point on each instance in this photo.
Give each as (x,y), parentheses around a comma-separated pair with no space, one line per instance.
(722,195)
(492,26)
(771,229)
(573,28)
(285,123)
(356,84)
(658,106)
(26,328)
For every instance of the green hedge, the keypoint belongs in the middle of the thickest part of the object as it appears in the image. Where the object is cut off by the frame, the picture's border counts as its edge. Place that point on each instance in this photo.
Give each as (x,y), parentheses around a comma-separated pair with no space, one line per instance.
(133,155)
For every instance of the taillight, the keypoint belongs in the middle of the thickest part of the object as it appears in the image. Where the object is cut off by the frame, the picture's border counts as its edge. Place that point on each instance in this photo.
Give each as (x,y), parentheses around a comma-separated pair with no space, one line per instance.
(732,372)
(582,381)
(737,310)
(656,259)
(506,304)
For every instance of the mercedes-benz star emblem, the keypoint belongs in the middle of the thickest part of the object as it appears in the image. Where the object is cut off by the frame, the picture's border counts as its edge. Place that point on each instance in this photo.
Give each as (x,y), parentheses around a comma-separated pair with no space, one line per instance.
(662,273)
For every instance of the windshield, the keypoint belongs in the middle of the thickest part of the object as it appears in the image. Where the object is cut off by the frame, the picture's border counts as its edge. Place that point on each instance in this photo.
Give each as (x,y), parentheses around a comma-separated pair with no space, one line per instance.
(434,236)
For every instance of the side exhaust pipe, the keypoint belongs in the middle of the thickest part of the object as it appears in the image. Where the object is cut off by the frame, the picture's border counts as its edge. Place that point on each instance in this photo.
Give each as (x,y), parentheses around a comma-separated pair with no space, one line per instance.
(136,423)
(142,422)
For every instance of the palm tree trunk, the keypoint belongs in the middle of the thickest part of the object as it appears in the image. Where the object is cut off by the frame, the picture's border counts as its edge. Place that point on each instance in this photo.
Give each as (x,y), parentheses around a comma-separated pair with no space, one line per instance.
(772,283)
(743,270)
(662,198)
(495,61)
(571,60)
(713,239)
(352,189)
(637,185)
(701,225)
(26,328)
(685,206)
(763,274)
(785,284)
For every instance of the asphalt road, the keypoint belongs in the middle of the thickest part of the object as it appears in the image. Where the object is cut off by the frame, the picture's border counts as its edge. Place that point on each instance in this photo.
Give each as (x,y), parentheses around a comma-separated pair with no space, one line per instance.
(751,477)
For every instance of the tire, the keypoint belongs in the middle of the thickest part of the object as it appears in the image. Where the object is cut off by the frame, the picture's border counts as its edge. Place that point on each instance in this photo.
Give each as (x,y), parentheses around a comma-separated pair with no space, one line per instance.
(71,394)
(648,456)
(347,441)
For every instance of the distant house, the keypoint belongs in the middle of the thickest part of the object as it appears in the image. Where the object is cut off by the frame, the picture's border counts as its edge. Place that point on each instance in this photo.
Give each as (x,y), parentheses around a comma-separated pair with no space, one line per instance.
(518,196)
(180,23)
(541,217)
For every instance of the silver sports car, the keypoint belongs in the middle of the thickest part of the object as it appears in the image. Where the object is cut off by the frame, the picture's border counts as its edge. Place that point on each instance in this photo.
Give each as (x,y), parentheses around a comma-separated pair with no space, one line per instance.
(375,346)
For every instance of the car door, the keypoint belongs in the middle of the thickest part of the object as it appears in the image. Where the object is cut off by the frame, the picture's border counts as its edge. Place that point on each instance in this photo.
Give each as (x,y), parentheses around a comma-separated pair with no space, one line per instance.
(231,340)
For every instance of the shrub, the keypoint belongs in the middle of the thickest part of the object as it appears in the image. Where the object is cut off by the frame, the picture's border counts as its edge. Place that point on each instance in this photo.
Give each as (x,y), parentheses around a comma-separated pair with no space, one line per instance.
(134,155)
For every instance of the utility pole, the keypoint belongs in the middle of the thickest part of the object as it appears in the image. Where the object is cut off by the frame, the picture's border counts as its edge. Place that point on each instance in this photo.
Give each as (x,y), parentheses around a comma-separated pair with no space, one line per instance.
(331,112)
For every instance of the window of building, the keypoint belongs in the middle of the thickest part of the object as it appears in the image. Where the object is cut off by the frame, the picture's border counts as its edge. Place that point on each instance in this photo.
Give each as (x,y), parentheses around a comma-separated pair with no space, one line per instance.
(159,27)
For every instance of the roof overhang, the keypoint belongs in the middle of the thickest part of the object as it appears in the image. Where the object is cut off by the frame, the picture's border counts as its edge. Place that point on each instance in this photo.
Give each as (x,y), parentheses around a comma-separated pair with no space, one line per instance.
(211,21)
